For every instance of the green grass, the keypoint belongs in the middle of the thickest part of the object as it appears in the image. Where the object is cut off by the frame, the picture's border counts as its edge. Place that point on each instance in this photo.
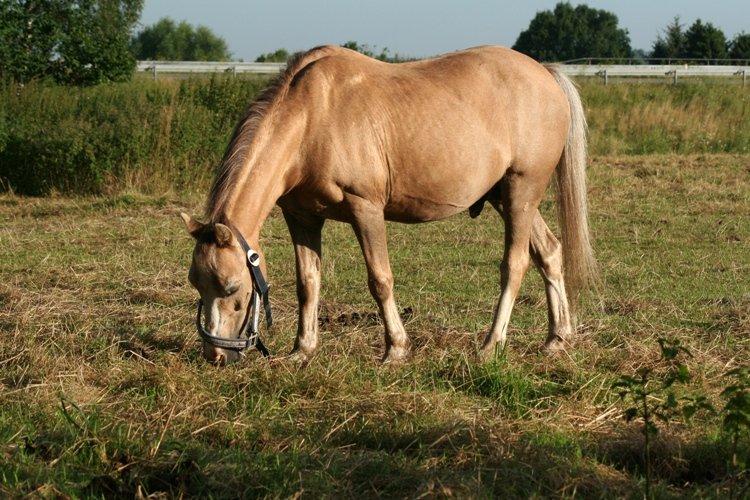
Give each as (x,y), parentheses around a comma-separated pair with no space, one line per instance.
(103,390)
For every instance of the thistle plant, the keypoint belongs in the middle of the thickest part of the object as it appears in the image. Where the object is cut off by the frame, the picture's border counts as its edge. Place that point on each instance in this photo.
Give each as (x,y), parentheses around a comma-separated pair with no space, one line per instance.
(736,421)
(652,397)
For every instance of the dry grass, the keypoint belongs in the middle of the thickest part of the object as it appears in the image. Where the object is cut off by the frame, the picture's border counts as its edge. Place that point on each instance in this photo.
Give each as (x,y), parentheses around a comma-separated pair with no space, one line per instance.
(103,391)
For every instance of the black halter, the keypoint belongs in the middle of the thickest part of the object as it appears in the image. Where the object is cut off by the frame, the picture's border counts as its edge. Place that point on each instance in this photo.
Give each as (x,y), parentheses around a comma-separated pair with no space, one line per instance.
(249,326)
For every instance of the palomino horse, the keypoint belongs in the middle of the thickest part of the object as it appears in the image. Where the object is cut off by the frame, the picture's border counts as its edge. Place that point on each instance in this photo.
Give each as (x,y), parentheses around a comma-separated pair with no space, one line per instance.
(342,136)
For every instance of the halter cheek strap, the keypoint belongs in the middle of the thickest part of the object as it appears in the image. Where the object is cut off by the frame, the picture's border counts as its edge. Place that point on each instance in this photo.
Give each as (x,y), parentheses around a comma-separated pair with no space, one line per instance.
(260,285)
(249,326)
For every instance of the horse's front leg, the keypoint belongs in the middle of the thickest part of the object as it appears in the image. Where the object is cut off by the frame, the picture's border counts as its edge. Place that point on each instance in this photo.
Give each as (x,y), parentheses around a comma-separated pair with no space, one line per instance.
(369,226)
(306,238)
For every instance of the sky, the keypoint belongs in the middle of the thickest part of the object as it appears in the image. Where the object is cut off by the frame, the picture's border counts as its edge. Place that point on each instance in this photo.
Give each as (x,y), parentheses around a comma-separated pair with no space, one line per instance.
(418,28)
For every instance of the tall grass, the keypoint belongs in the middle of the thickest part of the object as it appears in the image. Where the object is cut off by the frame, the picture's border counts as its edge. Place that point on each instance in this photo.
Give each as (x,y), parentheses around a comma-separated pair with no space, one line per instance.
(701,116)
(151,136)
(168,135)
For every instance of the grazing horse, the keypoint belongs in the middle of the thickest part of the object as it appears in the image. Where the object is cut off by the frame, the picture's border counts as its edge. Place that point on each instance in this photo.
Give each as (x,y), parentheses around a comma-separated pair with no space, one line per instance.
(342,136)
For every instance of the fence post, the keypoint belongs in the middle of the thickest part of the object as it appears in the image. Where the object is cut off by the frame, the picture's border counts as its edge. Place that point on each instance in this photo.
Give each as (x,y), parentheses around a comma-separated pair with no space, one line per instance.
(153,70)
(744,77)
(606,78)
(674,77)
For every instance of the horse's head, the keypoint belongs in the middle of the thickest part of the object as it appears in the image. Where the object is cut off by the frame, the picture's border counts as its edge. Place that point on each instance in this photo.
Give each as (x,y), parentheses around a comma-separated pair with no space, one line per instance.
(219,272)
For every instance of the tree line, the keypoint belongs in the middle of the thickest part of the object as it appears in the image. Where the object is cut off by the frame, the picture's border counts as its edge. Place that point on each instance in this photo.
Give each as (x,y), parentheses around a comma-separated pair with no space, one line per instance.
(567,33)
(84,42)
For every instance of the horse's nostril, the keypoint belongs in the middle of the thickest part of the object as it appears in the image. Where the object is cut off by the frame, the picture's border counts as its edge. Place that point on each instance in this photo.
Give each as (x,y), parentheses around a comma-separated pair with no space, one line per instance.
(218,356)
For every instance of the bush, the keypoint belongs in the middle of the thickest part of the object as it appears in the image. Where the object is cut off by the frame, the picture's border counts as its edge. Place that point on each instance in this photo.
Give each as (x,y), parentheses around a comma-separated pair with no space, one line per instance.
(146,135)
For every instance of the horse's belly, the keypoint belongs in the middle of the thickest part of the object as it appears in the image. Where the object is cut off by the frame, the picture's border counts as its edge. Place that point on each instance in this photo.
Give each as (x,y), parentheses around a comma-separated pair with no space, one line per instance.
(421,210)
(436,194)
(436,172)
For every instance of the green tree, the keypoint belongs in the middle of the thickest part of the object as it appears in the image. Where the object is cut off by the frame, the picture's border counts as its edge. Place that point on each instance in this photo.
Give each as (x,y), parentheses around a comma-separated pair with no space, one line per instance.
(382,55)
(366,50)
(705,41)
(569,32)
(72,41)
(29,32)
(96,46)
(672,43)
(280,55)
(166,40)
(739,48)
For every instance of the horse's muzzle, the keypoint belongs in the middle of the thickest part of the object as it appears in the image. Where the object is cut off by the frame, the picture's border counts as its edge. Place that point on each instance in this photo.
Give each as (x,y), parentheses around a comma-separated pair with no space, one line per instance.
(219,356)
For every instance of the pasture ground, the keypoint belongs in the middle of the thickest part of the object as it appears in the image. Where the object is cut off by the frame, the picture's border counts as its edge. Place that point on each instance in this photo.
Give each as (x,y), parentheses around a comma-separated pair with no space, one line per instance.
(103,391)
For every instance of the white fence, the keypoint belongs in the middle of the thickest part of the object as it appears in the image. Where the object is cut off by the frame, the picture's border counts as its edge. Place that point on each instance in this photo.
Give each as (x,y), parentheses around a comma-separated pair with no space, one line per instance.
(156,67)
(673,71)
(605,71)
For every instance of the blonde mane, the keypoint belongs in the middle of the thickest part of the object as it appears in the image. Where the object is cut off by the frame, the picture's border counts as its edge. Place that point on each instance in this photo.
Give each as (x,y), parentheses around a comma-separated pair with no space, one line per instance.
(237,152)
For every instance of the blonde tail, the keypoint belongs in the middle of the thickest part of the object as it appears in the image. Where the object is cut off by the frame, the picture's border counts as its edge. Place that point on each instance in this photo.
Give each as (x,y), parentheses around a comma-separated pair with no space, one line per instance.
(581,270)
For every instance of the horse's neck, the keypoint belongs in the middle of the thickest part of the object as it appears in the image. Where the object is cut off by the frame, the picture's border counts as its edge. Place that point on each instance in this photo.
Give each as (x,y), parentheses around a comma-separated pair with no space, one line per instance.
(265,180)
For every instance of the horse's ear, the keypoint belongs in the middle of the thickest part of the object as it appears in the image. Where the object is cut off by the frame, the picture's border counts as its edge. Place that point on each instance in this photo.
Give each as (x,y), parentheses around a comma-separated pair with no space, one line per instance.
(224,236)
(193,226)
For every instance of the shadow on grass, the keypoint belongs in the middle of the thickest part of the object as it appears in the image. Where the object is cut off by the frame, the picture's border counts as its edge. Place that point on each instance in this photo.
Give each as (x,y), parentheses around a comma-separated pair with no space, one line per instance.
(143,342)
(89,455)
(531,467)
(698,460)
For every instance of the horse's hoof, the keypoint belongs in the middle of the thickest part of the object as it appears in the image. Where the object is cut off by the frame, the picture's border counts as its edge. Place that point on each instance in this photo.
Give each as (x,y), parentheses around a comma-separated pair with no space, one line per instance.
(297,356)
(486,354)
(395,356)
(554,345)
(489,352)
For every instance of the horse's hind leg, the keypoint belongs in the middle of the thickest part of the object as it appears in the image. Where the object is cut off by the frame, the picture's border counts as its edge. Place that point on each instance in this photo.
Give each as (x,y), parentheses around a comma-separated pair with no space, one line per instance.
(546,252)
(369,226)
(520,196)
(306,237)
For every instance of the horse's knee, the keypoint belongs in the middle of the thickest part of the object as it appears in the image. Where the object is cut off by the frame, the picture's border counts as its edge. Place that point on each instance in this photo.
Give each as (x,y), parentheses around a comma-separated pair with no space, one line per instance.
(381,286)
(309,282)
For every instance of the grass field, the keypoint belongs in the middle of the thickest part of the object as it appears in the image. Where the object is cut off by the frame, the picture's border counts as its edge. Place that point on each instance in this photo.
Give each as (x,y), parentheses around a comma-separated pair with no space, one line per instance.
(103,391)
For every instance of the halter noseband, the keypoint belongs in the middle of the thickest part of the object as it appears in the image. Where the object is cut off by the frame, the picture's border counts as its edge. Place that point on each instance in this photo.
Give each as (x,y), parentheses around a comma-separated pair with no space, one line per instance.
(249,327)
